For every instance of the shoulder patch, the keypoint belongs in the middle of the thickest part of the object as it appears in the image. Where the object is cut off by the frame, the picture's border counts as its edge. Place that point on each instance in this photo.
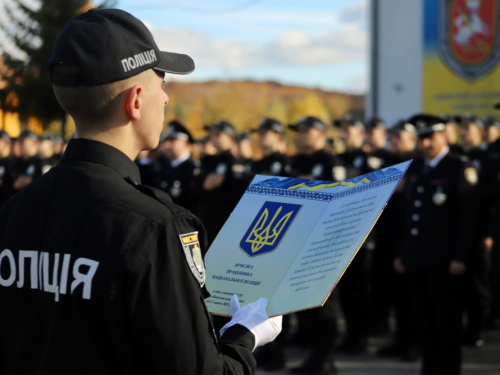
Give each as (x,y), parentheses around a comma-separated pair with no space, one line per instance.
(191,246)
(471,175)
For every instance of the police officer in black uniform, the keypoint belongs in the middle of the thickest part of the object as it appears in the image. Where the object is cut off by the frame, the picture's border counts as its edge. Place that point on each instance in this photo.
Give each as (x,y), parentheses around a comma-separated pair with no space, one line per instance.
(274,163)
(356,289)
(452,130)
(473,133)
(28,166)
(376,133)
(99,274)
(46,151)
(222,181)
(313,162)
(353,136)
(439,233)
(6,163)
(391,287)
(178,171)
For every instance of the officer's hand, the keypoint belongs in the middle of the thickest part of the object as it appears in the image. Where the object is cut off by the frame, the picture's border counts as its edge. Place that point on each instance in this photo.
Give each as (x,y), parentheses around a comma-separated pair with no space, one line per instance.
(254,318)
(487,244)
(399,266)
(457,267)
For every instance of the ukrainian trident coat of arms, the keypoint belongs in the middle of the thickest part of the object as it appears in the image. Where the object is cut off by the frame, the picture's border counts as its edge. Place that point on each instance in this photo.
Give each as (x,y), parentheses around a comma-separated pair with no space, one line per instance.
(269,227)
(468,37)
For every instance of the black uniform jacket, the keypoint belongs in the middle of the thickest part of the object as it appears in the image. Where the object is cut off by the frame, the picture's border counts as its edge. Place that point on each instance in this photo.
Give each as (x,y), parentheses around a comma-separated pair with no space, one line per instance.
(179,182)
(441,212)
(320,165)
(275,164)
(95,278)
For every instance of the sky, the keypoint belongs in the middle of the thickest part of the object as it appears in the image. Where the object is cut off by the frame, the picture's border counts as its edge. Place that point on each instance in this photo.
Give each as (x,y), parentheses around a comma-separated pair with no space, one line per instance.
(313,43)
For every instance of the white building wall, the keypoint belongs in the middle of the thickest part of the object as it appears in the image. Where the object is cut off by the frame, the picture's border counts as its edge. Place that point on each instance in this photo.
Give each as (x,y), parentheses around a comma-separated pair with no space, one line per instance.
(400,57)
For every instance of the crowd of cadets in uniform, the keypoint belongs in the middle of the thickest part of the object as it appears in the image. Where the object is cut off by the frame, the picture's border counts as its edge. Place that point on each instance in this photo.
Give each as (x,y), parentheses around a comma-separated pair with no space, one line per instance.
(208,176)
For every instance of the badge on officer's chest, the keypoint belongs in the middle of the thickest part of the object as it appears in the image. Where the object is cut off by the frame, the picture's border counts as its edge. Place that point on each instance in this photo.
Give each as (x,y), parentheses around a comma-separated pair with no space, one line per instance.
(439,198)
(191,247)
(471,175)
(176,190)
(317,170)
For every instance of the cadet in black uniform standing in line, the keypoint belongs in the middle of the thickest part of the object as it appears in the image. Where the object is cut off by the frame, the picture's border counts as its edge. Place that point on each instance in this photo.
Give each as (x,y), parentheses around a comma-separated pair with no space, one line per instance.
(439,233)
(355,290)
(393,288)
(6,164)
(274,162)
(223,181)
(177,174)
(314,162)
(28,166)
(98,274)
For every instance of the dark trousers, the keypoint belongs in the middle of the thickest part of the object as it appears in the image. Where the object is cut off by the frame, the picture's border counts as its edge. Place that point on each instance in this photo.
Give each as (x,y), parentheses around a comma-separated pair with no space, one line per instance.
(354,295)
(477,294)
(436,307)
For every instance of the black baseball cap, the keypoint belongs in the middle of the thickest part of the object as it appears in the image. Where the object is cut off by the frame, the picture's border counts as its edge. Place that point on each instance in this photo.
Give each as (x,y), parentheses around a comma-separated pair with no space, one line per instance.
(108,45)
(269,124)
(403,125)
(28,134)
(376,123)
(4,136)
(473,119)
(427,124)
(176,130)
(491,121)
(308,123)
(221,126)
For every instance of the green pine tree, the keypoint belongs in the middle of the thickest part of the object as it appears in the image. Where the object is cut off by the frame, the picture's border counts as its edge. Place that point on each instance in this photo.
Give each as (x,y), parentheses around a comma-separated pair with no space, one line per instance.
(32,33)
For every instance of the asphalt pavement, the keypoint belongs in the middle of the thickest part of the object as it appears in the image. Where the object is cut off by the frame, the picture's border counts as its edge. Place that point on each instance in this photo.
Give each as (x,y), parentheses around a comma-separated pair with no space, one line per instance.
(483,361)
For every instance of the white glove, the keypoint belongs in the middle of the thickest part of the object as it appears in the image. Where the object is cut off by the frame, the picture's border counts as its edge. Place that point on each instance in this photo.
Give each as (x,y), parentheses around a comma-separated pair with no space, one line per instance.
(254,318)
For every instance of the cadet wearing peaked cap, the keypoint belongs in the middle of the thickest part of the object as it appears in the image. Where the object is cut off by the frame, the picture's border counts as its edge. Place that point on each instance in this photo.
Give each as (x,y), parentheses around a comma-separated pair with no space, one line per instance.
(452,131)
(472,133)
(222,180)
(178,171)
(129,277)
(28,166)
(313,162)
(6,164)
(441,215)
(275,163)
(378,156)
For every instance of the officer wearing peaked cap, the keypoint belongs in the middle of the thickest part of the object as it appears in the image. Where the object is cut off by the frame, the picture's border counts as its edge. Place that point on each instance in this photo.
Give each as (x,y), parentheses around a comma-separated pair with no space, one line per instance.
(98,273)
(441,215)
(312,161)
(222,180)
(353,136)
(473,130)
(378,156)
(178,169)
(452,132)
(28,166)
(271,136)
(6,164)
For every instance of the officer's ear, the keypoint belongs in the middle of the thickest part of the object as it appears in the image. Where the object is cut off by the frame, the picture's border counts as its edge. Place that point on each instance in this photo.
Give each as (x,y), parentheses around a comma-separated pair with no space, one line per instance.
(133,102)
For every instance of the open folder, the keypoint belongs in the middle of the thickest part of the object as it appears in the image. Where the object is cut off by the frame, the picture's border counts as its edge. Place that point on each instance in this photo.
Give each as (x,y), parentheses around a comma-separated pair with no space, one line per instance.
(290,240)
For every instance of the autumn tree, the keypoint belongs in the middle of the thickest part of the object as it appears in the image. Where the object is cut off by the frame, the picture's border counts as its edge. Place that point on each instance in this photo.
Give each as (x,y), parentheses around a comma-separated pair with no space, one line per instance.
(31,34)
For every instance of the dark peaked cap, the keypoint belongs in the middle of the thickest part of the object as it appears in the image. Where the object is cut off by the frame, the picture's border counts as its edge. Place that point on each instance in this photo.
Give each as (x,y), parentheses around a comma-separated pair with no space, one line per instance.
(376,122)
(177,130)
(427,124)
(108,45)
(221,126)
(269,124)
(403,125)
(308,123)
